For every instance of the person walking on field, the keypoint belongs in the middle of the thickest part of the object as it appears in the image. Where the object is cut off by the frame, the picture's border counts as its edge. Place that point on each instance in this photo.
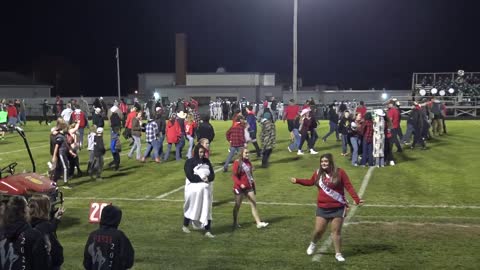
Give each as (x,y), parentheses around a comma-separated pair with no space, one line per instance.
(331,203)
(244,186)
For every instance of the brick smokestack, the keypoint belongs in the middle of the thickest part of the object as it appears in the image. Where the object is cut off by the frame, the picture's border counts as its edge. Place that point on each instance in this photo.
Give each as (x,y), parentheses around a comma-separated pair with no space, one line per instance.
(181,58)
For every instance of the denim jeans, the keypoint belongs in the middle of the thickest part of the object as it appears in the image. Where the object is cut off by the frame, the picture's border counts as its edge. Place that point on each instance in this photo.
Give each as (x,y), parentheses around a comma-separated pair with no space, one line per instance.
(177,151)
(153,145)
(408,133)
(296,143)
(355,142)
(333,128)
(367,153)
(190,146)
(344,143)
(137,145)
(160,145)
(233,151)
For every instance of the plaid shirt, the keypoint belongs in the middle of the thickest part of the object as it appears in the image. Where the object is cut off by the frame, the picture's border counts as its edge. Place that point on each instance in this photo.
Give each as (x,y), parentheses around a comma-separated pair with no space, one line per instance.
(236,135)
(368,131)
(151,131)
(196,116)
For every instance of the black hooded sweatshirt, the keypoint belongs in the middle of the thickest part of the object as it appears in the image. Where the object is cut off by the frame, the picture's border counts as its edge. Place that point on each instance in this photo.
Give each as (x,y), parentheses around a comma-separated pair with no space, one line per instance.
(23,248)
(108,247)
(49,229)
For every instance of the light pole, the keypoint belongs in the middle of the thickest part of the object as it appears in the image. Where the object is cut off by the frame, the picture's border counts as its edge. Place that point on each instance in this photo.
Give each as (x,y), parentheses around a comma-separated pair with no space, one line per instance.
(117,56)
(294,79)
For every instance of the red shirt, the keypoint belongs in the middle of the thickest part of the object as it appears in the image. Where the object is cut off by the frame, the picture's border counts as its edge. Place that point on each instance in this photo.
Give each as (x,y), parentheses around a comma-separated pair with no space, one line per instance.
(394,115)
(361,110)
(190,127)
(79,116)
(325,201)
(11,111)
(130,116)
(236,135)
(291,112)
(123,107)
(239,176)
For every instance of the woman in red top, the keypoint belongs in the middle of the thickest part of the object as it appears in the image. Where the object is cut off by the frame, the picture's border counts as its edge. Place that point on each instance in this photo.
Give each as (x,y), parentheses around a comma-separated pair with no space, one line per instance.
(244,186)
(190,126)
(331,203)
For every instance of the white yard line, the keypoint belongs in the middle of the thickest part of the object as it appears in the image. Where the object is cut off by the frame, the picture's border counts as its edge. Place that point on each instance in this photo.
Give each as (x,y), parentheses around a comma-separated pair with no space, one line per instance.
(180,188)
(327,243)
(423,206)
(23,149)
(286,204)
(421,217)
(396,223)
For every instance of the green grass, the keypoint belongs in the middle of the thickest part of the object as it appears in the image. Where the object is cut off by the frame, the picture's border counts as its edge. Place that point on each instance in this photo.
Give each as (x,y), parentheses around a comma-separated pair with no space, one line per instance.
(383,234)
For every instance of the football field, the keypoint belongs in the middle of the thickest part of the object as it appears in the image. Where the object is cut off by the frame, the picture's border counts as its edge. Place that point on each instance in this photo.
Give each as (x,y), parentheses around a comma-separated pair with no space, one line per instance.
(423,213)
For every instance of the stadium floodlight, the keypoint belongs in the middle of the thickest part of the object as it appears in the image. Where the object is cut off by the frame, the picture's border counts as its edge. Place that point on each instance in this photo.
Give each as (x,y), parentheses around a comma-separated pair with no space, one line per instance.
(384,96)
(451,90)
(434,91)
(442,92)
(422,92)
(156,96)
(136,92)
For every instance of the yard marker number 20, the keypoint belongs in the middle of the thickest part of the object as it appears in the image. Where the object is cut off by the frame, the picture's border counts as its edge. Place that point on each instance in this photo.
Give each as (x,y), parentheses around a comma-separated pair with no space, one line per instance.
(96,211)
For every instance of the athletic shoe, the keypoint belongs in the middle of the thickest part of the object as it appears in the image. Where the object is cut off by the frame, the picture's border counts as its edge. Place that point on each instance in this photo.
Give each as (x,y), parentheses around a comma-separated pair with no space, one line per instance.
(392,163)
(289,150)
(299,153)
(209,235)
(262,225)
(313,152)
(311,248)
(185,229)
(339,257)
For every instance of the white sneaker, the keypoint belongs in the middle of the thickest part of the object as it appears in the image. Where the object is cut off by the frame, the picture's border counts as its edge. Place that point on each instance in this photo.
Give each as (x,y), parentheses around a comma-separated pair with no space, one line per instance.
(209,235)
(339,257)
(392,163)
(185,229)
(311,248)
(313,152)
(262,225)
(299,153)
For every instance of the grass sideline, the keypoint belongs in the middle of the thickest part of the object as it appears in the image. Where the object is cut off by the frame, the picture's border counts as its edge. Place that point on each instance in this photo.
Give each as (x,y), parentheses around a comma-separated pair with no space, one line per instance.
(441,229)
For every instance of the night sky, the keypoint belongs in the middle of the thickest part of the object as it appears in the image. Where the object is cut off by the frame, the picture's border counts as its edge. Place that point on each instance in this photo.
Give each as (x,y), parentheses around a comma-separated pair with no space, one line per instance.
(356,44)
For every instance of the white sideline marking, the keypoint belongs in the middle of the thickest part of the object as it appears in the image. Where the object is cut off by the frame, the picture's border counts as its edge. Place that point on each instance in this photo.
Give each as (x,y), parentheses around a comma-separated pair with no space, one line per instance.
(326,244)
(423,206)
(294,204)
(421,217)
(180,188)
(416,224)
(40,146)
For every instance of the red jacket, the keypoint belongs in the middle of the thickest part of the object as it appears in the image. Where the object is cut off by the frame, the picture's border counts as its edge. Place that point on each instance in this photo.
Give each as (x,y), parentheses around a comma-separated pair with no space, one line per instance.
(173,131)
(130,116)
(240,177)
(394,115)
(325,201)
(291,112)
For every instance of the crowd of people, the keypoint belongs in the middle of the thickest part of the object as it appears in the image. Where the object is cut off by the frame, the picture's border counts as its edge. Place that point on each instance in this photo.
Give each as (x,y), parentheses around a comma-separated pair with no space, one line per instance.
(369,135)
